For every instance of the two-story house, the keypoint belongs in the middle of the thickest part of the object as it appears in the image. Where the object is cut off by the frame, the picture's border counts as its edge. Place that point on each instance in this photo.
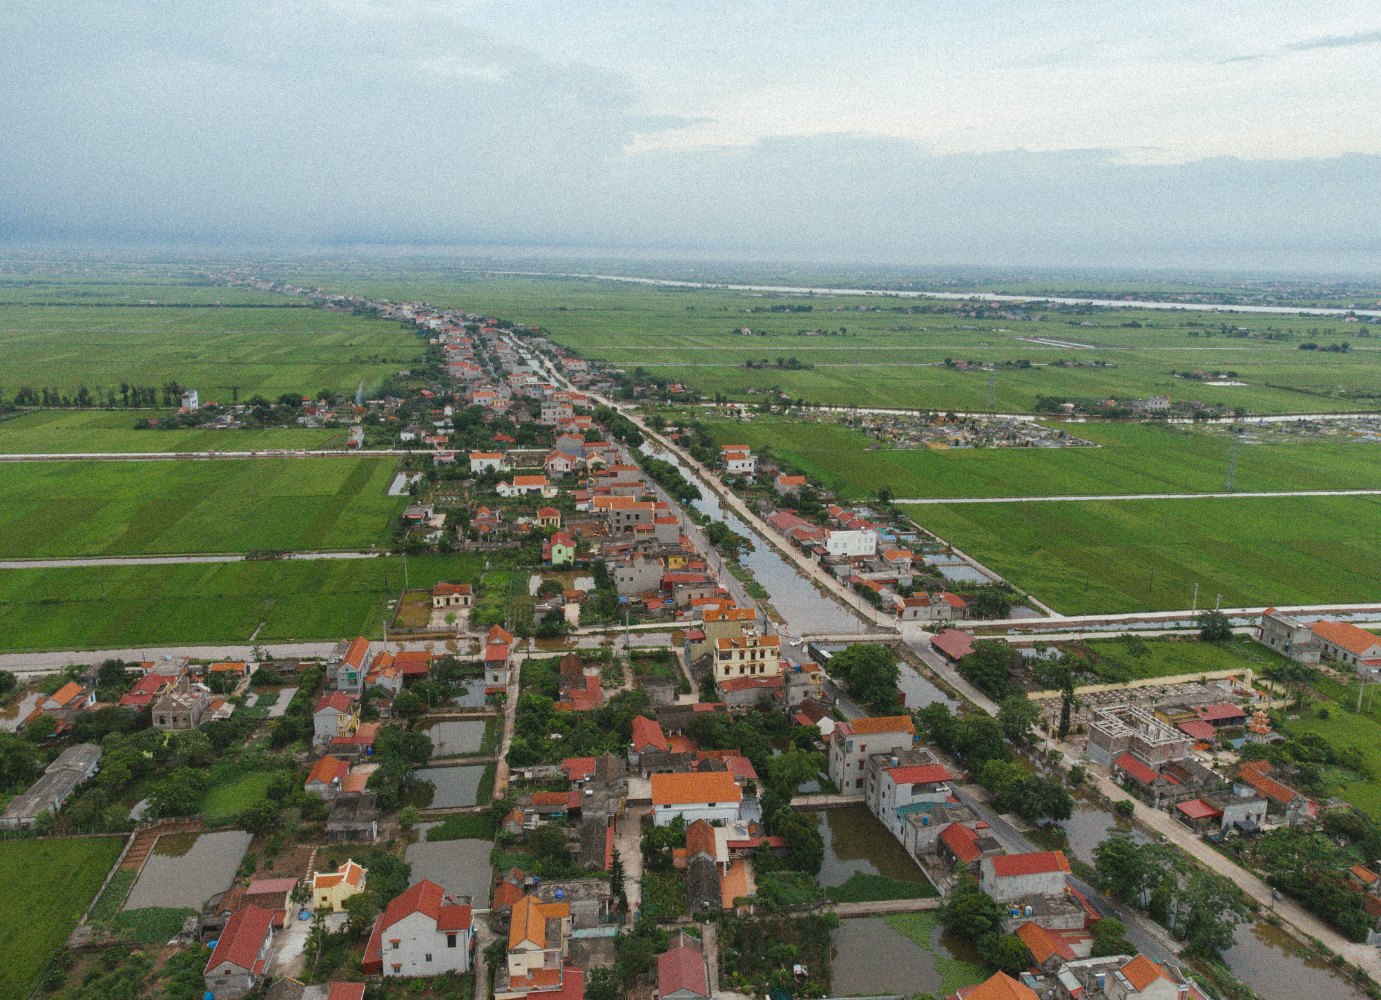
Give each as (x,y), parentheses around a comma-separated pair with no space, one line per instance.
(713,796)
(423,932)
(336,714)
(242,953)
(852,742)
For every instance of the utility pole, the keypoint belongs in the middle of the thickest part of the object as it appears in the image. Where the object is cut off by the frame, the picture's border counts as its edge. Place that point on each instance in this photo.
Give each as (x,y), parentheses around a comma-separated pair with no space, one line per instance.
(1195,608)
(1217,602)
(405,571)
(1230,486)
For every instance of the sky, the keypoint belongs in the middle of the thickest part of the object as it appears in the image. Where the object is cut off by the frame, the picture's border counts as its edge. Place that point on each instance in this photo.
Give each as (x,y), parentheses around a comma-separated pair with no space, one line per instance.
(1192,134)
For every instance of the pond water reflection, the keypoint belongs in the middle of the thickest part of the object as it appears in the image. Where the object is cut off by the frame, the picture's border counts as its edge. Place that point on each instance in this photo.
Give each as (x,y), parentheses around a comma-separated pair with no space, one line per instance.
(187,869)
(871,958)
(445,787)
(856,842)
(454,736)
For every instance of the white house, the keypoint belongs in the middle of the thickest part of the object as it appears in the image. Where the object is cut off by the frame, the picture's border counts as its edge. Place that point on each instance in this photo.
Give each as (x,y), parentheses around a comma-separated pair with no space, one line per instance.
(337,714)
(242,953)
(851,543)
(421,933)
(712,796)
(189,400)
(1011,876)
(484,461)
(523,485)
(738,460)
(538,940)
(896,788)
(852,742)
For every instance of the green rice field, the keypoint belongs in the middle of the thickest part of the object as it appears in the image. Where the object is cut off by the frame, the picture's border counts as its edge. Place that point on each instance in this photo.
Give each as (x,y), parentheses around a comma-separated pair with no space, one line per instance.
(1131,458)
(55,509)
(45,887)
(110,431)
(1090,557)
(116,607)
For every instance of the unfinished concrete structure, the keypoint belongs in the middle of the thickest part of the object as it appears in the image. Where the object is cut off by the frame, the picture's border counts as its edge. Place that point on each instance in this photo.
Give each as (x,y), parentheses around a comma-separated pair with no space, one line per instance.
(1128,729)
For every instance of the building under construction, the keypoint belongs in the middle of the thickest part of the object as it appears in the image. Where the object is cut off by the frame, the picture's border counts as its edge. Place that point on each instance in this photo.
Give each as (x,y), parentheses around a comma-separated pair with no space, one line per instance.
(1127,729)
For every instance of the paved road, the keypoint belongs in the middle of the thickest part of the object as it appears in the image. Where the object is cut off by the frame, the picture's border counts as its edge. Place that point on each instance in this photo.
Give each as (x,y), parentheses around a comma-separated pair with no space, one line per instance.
(168,560)
(1143,496)
(22,664)
(189,456)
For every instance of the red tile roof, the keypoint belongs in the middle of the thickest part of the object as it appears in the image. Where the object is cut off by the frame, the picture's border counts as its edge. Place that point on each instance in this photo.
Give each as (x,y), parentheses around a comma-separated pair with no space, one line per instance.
(646,733)
(953,643)
(426,897)
(416,663)
(1268,787)
(338,700)
(1137,769)
(1043,943)
(1202,731)
(1034,863)
(681,969)
(578,768)
(682,789)
(346,991)
(960,839)
(328,769)
(1212,713)
(919,774)
(355,655)
(495,653)
(242,938)
(1198,809)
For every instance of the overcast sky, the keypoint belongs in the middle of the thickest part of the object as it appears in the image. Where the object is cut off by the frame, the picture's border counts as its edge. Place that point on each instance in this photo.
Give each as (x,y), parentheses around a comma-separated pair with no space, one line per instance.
(1200,134)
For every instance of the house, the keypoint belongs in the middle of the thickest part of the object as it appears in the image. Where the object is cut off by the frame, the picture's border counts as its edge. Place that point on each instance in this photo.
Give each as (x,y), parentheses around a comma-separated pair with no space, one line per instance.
(681,971)
(145,692)
(999,986)
(747,656)
(1289,636)
(738,460)
(189,400)
(496,666)
(1346,643)
(850,745)
(348,675)
(330,890)
(1222,715)
(326,777)
(561,549)
(272,894)
(523,485)
(242,953)
(647,735)
(1011,876)
(558,463)
(58,781)
(181,707)
(538,942)
(788,485)
(1050,949)
(423,932)
(896,782)
(1143,979)
(452,595)
(67,701)
(1281,797)
(548,517)
(851,543)
(336,714)
(711,796)
(413,664)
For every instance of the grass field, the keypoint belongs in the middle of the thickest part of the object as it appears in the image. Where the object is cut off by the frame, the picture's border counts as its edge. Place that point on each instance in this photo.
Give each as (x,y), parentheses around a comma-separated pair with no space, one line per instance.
(115,607)
(1344,728)
(227,801)
(1132,458)
(147,331)
(65,431)
(1142,555)
(1115,659)
(45,886)
(51,509)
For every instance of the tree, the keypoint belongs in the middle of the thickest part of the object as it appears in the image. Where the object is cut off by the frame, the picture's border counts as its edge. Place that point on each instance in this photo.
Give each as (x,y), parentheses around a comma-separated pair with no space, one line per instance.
(179,794)
(616,881)
(804,845)
(1018,715)
(1066,700)
(603,984)
(1213,626)
(362,907)
(1118,864)
(18,765)
(259,818)
(1110,938)
(1010,954)
(972,915)
(787,772)
(40,729)
(978,738)
(1035,798)
(870,671)
(988,667)
(408,817)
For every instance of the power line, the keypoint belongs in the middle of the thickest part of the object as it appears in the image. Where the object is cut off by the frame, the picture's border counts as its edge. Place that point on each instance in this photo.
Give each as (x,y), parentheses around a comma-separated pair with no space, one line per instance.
(990,401)
(1232,466)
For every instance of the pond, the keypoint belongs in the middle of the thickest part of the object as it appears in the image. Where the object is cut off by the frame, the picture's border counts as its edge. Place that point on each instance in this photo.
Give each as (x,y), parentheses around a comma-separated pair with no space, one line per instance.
(187,869)
(856,842)
(860,969)
(917,692)
(473,696)
(568,580)
(445,787)
(461,867)
(796,599)
(956,570)
(454,736)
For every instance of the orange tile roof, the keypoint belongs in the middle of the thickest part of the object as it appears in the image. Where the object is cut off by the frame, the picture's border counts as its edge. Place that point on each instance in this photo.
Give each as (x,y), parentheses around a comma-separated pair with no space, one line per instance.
(328,769)
(700,837)
(1141,972)
(1042,943)
(66,693)
(680,789)
(883,724)
(1346,636)
(734,884)
(1032,863)
(529,922)
(355,655)
(1001,987)
(646,733)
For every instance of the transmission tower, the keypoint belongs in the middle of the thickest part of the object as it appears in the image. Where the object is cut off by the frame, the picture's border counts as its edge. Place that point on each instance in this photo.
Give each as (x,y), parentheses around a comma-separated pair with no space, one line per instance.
(990,401)
(1232,465)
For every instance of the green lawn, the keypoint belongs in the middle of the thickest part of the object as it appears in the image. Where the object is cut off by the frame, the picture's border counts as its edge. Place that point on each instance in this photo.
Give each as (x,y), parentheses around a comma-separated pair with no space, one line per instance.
(45,886)
(54,509)
(1117,660)
(1344,728)
(114,607)
(1131,458)
(63,431)
(227,801)
(1103,556)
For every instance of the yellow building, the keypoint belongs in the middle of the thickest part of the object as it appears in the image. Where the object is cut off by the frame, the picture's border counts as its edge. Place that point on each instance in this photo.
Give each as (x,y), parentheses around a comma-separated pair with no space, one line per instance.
(748,656)
(537,941)
(330,890)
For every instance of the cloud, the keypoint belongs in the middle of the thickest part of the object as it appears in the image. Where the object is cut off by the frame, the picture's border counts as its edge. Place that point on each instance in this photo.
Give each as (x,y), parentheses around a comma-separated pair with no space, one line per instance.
(1336,41)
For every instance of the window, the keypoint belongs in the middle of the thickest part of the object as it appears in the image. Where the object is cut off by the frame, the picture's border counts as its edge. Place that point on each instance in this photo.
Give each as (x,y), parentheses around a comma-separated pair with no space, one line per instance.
(397,969)
(429,956)
(450,940)
(394,944)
